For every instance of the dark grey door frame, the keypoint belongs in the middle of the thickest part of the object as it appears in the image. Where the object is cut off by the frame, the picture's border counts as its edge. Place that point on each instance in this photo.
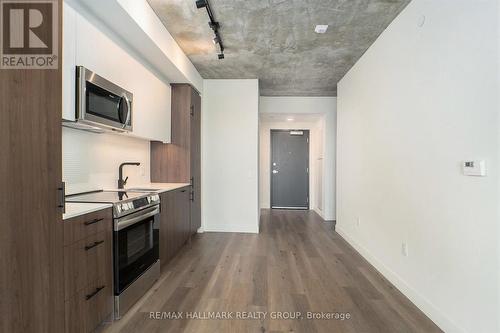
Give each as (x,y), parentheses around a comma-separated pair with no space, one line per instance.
(271,169)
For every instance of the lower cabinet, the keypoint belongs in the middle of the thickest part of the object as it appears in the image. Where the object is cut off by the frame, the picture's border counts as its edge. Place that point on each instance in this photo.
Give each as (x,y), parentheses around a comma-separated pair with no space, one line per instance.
(174,223)
(88,265)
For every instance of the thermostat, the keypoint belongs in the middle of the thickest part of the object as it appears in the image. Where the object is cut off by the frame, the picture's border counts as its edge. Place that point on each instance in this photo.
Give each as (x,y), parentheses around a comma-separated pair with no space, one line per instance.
(474,168)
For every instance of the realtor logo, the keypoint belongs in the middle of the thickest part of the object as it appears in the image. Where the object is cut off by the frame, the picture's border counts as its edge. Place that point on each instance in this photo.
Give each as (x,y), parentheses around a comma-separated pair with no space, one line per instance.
(28,34)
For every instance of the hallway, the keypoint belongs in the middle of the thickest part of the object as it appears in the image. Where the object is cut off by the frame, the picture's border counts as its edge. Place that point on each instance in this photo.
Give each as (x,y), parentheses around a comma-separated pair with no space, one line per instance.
(296,264)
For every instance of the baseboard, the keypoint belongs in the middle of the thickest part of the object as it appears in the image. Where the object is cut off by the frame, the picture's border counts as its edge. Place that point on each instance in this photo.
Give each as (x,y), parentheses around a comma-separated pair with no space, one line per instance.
(436,315)
(319,212)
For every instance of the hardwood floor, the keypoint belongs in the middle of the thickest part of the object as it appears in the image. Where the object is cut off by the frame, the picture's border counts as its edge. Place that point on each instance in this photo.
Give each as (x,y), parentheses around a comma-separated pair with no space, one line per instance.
(296,264)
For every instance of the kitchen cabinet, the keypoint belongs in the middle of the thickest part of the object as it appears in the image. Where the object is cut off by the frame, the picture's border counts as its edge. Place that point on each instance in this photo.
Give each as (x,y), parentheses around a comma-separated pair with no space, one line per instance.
(31,231)
(69,62)
(174,223)
(88,263)
(88,43)
(180,161)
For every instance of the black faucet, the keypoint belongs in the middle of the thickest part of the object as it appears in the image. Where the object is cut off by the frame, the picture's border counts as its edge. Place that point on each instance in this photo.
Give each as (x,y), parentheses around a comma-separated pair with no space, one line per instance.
(122,182)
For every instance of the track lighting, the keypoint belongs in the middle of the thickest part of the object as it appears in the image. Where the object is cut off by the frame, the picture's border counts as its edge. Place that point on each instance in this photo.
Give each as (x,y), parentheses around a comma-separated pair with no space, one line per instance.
(201,3)
(213,24)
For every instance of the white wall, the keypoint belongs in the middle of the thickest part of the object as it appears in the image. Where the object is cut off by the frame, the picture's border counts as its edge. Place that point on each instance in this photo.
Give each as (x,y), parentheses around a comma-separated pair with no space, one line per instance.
(230,155)
(326,106)
(420,101)
(90,160)
(315,158)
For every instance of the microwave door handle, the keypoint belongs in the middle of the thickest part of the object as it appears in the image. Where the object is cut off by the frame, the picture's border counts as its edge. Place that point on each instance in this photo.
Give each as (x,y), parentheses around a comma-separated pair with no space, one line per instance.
(128,111)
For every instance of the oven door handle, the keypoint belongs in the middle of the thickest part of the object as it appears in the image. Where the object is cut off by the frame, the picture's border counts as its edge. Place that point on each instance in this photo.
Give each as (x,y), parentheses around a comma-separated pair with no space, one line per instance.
(131,219)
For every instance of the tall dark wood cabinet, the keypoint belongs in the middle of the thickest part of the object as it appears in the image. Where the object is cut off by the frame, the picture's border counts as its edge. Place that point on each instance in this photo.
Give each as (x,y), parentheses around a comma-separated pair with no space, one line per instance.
(180,160)
(31,230)
(195,163)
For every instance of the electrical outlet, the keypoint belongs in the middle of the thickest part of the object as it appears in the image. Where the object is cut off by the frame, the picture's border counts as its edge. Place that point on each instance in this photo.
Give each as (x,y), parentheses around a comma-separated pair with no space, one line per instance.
(358,222)
(404,249)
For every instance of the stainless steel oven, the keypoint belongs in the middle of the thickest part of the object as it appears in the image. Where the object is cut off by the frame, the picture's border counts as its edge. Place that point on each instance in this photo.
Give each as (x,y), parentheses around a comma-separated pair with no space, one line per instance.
(136,256)
(101,103)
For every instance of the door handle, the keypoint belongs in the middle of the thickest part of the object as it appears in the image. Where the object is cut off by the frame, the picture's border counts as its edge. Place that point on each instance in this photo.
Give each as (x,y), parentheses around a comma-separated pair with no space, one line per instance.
(93,221)
(275,171)
(88,247)
(95,292)
(62,197)
(129,111)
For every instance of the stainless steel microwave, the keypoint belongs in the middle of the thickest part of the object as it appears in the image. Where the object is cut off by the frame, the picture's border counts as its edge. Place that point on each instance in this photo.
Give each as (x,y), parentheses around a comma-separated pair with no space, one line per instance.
(101,104)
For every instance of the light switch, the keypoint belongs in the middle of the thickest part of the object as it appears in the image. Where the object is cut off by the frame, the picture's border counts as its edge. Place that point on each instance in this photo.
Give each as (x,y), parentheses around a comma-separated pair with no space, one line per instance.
(474,168)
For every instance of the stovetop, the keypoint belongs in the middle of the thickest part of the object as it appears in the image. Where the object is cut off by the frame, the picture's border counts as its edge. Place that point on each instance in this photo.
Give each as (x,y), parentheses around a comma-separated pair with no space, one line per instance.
(106,197)
(124,202)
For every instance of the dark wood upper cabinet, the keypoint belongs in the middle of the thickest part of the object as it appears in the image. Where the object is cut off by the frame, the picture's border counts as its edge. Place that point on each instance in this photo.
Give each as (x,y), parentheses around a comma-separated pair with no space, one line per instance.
(31,230)
(180,160)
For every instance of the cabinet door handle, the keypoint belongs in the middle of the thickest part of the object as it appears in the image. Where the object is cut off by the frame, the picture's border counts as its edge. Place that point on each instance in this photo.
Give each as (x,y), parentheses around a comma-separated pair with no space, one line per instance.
(88,247)
(191,196)
(62,197)
(183,191)
(192,110)
(95,292)
(93,221)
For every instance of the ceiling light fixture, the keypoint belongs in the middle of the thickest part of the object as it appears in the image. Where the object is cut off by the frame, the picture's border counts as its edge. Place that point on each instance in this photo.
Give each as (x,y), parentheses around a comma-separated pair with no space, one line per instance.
(201,3)
(290,119)
(321,28)
(213,24)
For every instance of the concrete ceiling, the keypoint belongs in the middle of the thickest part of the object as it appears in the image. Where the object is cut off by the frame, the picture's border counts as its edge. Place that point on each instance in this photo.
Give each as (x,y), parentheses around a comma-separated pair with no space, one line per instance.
(274,40)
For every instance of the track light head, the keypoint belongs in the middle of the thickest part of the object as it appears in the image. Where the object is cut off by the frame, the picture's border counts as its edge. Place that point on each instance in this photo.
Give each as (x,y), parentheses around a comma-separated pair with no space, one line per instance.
(214,25)
(221,55)
(201,3)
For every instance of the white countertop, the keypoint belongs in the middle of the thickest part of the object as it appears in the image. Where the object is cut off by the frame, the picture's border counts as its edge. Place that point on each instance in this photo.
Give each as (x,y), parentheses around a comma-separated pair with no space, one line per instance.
(76,209)
(152,187)
(162,187)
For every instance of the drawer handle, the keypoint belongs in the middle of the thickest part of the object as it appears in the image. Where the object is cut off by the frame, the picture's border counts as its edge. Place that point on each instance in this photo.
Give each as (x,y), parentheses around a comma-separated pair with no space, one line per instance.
(88,247)
(183,191)
(89,296)
(93,221)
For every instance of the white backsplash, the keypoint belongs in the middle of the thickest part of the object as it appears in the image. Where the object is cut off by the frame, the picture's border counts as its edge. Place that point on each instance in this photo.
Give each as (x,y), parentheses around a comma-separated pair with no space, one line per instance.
(90,160)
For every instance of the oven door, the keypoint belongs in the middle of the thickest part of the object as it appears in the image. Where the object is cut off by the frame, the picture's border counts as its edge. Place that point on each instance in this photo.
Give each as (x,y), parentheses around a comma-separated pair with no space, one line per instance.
(136,246)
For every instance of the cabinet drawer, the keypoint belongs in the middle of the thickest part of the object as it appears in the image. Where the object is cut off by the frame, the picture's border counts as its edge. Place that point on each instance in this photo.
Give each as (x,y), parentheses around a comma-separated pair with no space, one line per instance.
(85,261)
(89,307)
(81,227)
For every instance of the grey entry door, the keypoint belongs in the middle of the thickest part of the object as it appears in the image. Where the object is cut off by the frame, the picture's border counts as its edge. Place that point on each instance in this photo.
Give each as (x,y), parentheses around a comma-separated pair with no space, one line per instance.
(290,169)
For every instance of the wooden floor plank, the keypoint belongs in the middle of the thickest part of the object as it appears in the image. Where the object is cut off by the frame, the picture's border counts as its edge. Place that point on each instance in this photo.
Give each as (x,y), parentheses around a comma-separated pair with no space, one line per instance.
(296,264)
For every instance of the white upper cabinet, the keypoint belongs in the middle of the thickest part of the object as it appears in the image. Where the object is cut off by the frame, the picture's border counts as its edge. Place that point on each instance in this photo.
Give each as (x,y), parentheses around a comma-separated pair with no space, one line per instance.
(99,50)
